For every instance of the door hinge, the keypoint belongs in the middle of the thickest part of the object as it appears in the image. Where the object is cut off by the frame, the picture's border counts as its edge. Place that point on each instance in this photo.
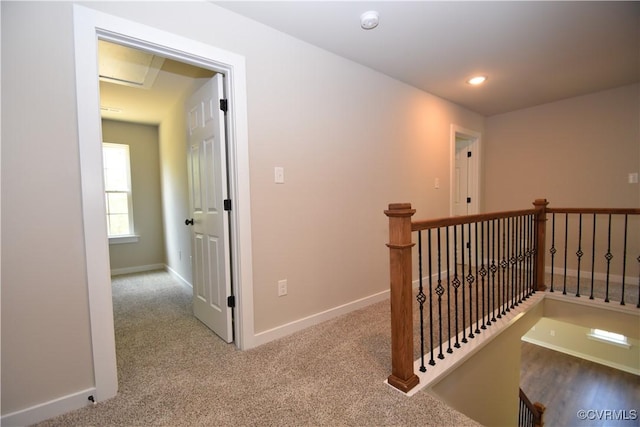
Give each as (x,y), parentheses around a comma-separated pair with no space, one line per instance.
(224,105)
(231,301)
(468,199)
(468,153)
(227,204)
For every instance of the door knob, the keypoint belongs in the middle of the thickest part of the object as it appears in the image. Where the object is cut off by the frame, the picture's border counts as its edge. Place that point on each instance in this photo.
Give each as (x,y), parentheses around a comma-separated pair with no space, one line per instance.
(188,221)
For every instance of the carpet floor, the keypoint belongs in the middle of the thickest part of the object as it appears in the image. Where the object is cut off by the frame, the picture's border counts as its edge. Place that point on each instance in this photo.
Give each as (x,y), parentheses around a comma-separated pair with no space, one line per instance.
(173,371)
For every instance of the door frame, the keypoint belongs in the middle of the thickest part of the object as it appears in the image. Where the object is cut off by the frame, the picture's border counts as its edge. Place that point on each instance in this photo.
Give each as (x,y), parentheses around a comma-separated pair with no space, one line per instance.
(89,25)
(476,161)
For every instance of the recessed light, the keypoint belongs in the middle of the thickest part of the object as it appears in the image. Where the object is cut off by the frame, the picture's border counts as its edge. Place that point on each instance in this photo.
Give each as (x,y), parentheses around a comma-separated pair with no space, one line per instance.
(369,20)
(477,80)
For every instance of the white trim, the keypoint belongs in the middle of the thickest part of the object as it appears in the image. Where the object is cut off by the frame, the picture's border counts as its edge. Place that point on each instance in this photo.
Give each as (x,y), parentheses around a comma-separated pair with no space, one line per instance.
(90,24)
(444,367)
(178,277)
(476,145)
(591,303)
(50,409)
(120,240)
(613,278)
(582,356)
(137,269)
(323,316)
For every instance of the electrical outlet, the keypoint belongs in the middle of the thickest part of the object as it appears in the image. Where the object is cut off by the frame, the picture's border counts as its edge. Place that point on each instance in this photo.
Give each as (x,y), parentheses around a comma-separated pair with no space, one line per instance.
(552,333)
(282,288)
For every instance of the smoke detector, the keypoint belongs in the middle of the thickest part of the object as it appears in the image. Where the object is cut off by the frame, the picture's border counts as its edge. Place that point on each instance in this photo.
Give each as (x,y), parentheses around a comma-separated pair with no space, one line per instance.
(369,20)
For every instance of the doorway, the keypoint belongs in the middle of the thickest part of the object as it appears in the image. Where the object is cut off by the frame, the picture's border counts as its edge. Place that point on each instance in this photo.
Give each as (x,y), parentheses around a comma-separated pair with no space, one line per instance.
(138,88)
(465,171)
(88,26)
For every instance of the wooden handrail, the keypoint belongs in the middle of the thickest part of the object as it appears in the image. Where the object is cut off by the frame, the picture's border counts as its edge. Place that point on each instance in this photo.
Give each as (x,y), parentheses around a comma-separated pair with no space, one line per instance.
(400,246)
(612,211)
(467,219)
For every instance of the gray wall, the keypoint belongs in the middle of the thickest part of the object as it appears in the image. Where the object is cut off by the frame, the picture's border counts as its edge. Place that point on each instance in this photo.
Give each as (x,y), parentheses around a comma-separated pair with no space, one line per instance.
(576,153)
(146,195)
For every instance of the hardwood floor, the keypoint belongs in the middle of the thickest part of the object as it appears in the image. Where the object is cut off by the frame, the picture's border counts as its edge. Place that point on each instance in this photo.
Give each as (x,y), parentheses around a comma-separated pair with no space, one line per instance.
(567,385)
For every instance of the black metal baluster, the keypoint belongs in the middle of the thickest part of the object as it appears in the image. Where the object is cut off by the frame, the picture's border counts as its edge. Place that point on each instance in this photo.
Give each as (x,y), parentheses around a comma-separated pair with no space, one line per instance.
(553,246)
(579,253)
(421,299)
(449,350)
(638,259)
(477,331)
(440,292)
(534,251)
(608,256)
(503,266)
(470,280)
(521,236)
(593,256)
(524,250)
(624,258)
(431,361)
(456,281)
(483,272)
(566,246)
(512,260)
(530,244)
(493,268)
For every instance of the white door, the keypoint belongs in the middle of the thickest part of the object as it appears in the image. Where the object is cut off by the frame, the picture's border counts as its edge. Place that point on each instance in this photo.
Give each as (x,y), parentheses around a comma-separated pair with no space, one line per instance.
(462,175)
(206,154)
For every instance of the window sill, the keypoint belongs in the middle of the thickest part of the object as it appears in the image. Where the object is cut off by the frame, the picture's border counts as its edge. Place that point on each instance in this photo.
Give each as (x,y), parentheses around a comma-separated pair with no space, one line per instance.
(119,240)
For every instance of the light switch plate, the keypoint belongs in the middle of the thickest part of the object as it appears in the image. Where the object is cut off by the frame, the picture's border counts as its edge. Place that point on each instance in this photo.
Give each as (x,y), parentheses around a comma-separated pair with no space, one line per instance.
(278,175)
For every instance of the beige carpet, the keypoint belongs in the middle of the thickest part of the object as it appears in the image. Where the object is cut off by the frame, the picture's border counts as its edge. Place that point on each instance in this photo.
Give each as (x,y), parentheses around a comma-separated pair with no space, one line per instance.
(174,372)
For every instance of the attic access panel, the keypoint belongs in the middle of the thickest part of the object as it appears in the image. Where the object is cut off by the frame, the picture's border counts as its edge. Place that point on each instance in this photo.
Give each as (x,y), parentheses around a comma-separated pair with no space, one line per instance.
(126,66)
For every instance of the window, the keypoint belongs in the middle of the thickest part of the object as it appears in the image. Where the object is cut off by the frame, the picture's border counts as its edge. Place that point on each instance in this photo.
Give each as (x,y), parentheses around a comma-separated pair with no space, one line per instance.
(117,186)
(609,337)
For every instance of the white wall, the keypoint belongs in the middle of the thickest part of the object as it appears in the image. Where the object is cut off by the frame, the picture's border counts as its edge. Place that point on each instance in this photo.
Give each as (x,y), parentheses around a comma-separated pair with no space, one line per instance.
(351,141)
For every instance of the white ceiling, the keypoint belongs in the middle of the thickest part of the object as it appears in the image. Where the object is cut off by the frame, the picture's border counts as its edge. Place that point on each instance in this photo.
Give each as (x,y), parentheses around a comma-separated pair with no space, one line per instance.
(533,52)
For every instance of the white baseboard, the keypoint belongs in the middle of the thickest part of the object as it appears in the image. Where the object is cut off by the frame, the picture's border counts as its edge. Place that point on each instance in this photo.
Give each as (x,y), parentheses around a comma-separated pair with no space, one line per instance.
(46,410)
(584,356)
(178,277)
(298,325)
(613,278)
(137,269)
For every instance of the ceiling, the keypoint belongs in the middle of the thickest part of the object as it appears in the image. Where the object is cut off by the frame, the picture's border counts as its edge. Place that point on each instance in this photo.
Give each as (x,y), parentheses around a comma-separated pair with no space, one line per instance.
(140,87)
(532,52)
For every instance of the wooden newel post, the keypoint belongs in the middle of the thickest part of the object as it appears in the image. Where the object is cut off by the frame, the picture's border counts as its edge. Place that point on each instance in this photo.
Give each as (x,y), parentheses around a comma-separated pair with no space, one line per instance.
(541,233)
(402,376)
